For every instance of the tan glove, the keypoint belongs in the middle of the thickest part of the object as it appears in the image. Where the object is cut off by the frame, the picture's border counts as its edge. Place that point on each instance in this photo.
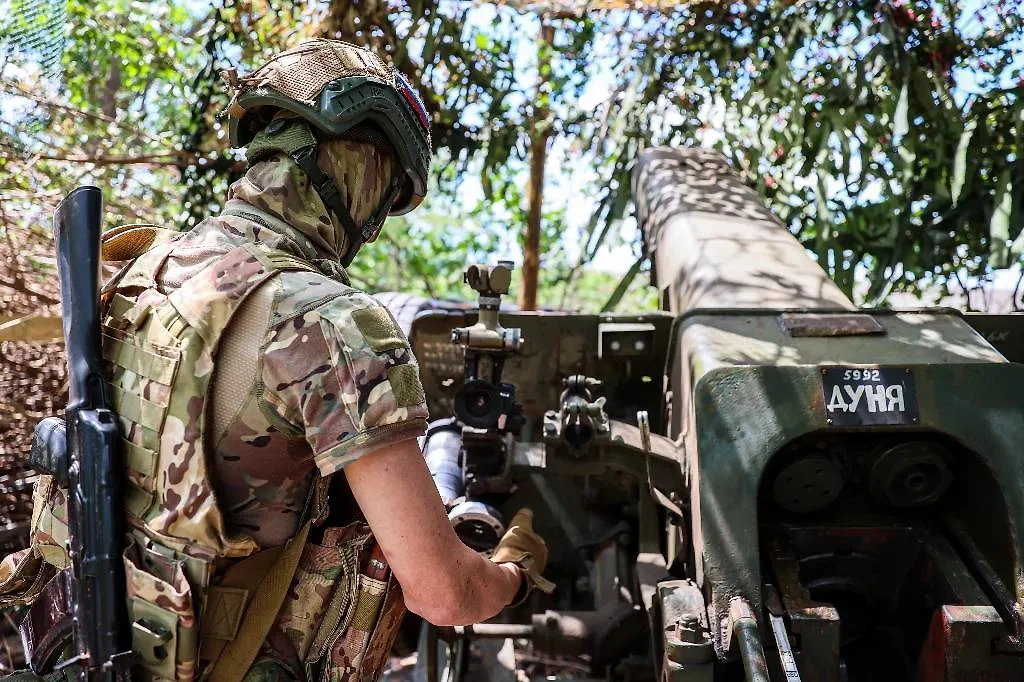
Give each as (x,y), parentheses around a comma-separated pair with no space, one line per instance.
(523,547)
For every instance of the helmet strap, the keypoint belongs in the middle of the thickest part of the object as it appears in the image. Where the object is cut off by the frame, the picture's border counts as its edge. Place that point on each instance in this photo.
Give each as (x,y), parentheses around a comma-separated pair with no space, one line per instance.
(327,189)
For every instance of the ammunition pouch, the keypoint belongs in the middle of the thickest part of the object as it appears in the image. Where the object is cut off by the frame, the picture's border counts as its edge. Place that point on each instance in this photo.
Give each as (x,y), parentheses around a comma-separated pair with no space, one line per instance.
(161,611)
(344,621)
(24,574)
(47,630)
(38,576)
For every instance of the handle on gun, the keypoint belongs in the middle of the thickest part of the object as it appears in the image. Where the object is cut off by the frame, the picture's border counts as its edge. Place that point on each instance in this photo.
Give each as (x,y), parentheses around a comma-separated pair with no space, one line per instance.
(76,228)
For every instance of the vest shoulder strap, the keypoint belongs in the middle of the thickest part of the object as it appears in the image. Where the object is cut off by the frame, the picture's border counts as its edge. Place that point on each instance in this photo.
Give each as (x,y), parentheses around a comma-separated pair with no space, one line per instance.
(207,301)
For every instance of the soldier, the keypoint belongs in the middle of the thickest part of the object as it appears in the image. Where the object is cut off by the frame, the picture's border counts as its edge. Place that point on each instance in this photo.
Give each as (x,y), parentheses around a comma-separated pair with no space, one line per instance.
(282,514)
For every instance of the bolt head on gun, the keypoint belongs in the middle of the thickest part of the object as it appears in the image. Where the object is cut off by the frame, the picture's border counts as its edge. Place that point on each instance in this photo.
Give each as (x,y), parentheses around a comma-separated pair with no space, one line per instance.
(49,452)
(579,419)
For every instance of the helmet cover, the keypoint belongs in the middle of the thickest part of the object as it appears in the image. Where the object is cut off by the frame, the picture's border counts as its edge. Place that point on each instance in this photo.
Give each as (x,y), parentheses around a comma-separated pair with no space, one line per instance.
(342,90)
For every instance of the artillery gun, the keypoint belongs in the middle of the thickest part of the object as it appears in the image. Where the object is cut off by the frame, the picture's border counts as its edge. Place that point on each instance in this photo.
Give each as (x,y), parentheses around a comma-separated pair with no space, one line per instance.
(760,482)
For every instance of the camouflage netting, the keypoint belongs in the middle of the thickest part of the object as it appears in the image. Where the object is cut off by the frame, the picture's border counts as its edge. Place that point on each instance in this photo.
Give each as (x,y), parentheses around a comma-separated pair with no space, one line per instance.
(31,386)
(31,374)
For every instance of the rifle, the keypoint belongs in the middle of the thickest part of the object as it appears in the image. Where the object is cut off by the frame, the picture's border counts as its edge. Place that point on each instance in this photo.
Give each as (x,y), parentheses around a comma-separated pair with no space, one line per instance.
(95,468)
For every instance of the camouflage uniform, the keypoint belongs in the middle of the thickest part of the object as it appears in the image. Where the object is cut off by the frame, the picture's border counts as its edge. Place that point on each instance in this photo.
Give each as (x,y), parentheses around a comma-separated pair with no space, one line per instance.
(246,371)
(320,419)
(335,380)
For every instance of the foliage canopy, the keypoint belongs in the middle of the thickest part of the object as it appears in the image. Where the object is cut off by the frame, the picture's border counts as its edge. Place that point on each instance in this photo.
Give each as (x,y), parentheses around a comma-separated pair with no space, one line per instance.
(886,135)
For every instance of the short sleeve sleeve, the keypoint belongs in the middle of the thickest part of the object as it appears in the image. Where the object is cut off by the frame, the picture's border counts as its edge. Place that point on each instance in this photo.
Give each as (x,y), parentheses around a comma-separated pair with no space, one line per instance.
(344,376)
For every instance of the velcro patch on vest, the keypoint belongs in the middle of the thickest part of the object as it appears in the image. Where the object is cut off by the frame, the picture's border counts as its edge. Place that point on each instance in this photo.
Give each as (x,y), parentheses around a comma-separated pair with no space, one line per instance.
(405,384)
(379,329)
(224,608)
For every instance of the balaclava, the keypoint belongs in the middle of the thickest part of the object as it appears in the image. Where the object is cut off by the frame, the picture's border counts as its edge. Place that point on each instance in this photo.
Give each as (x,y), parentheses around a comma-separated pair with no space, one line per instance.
(275,184)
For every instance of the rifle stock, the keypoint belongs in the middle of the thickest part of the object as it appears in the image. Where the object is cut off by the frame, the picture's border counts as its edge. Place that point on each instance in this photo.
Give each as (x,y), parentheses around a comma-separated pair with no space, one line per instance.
(76,230)
(95,471)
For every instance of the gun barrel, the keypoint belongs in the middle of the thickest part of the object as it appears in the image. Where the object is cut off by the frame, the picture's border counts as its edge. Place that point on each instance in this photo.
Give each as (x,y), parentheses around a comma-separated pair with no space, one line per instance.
(442,450)
(713,242)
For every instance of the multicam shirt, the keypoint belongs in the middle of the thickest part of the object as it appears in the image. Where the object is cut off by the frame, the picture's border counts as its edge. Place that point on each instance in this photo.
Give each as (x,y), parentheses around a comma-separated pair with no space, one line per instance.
(328,376)
(333,379)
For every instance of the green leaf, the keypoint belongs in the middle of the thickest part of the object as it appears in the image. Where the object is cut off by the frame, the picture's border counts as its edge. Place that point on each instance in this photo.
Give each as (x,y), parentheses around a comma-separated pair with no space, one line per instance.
(826,23)
(623,285)
(999,225)
(900,124)
(616,208)
(841,124)
(960,161)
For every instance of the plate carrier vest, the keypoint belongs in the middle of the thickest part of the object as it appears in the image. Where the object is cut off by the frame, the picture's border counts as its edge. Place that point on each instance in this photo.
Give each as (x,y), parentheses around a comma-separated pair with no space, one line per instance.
(201,601)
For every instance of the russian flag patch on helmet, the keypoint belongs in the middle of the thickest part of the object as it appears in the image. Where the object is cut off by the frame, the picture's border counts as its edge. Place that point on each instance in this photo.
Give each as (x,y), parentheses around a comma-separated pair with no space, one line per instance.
(412,98)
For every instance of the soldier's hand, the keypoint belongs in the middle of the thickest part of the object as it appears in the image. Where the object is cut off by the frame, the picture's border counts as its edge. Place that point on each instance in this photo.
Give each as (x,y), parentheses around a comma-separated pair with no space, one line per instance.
(522,546)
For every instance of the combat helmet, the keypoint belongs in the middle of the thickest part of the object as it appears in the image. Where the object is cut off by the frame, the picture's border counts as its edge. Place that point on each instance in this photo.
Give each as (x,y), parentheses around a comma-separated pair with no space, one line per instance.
(339,90)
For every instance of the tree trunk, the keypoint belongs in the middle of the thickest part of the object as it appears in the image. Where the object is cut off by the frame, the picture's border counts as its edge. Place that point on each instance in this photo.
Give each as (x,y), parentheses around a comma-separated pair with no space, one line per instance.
(110,90)
(540,130)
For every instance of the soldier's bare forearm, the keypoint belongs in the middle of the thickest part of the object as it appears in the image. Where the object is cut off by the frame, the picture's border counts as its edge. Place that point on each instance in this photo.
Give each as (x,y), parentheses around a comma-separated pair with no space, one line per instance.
(475,590)
(443,581)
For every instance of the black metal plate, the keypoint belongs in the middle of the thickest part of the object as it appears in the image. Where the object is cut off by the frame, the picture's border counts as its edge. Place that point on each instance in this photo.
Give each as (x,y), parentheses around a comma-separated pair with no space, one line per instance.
(1005,332)
(557,345)
(830,324)
(869,396)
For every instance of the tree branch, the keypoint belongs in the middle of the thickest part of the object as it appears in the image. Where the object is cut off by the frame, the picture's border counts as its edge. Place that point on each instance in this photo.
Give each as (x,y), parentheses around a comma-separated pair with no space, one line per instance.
(176,158)
(540,132)
(24,288)
(20,91)
(569,9)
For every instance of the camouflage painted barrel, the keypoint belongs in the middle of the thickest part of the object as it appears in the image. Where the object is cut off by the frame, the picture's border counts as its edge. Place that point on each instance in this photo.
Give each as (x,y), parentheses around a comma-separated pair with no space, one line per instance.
(817,435)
